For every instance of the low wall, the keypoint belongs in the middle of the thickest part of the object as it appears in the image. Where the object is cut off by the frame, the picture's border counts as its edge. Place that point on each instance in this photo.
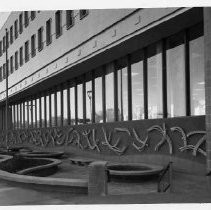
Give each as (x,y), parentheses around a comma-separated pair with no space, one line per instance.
(182,140)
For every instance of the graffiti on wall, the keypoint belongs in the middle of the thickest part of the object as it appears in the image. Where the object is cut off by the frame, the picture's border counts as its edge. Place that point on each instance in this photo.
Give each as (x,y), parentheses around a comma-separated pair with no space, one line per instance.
(111,139)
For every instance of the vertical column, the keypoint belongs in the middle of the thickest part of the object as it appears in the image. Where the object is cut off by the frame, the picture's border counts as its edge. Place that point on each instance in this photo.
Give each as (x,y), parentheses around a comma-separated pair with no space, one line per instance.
(207,60)
(68,105)
(93,98)
(62,106)
(145,85)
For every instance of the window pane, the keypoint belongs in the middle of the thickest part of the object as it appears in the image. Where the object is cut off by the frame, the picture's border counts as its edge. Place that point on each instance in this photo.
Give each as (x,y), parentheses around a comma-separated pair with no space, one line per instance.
(29,110)
(197,90)
(88,101)
(58,108)
(137,88)
(26,114)
(72,105)
(80,104)
(176,76)
(155,100)
(34,114)
(53,110)
(109,81)
(98,100)
(122,94)
(65,122)
(43,111)
(38,113)
(47,111)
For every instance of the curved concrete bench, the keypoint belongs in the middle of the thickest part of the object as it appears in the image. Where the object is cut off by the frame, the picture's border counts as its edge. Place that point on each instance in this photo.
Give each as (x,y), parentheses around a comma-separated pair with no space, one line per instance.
(133,169)
(72,185)
(42,154)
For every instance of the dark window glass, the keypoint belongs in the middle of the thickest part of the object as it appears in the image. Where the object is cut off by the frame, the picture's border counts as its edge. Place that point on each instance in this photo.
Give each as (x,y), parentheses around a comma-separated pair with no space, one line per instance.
(48,32)
(4,44)
(4,70)
(83,13)
(58,21)
(155,94)
(16,29)
(1,74)
(27,51)
(26,18)
(11,64)
(197,81)
(0,48)
(40,39)
(38,112)
(122,78)
(11,34)
(33,14)
(33,46)
(137,88)
(109,82)
(16,60)
(69,18)
(175,60)
(21,56)
(20,23)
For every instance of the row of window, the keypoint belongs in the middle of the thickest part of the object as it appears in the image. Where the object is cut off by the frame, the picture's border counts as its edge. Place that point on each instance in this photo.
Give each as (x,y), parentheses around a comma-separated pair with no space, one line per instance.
(18,57)
(58,23)
(165,79)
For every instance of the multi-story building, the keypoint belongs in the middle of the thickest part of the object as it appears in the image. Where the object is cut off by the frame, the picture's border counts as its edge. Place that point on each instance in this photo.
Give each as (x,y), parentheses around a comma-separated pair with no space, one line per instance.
(117,81)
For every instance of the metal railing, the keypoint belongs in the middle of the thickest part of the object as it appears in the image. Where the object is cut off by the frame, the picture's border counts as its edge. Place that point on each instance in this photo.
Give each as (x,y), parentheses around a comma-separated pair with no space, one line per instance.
(165,179)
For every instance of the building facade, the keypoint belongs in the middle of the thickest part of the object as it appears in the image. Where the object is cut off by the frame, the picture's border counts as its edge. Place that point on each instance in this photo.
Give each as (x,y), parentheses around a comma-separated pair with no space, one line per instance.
(127,82)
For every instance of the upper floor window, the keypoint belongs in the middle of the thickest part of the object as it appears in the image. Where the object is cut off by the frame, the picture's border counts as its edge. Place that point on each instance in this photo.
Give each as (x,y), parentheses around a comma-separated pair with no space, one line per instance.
(83,13)
(48,32)
(0,48)
(21,23)
(16,29)
(16,60)
(4,44)
(11,34)
(33,47)
(33,14)
(1,74)
(26,18)
(69,18)
(27,51)
(40,39)
(11,64)
(4,70)
(58,21)
(21,56)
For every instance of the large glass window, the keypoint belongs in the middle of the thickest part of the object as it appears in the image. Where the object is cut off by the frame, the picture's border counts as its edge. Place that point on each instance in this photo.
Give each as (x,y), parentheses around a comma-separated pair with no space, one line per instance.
(109,81)
(65,120)
(43,112)
(58,108)
(154,71)
(34,113)
(53,120)
(80,104)
(137,86)
(197,85)
(26,114)
(38,112)
(48,32)
(30,111)
(122,81)
(47,112)
(58,21)
(72,105)
(40,39)
(175,60)
(88,101)
(98,100)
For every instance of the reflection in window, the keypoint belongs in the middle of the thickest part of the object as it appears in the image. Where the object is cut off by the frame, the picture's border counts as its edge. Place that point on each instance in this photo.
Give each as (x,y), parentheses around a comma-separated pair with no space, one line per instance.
(58,108)
(109,81)
(38,113)
(137,87)
(43,111)
(154,62)
(197,89)
(65,121)
(72,105)
(122,94)
(98,100)
(175,59)
(47,112)
(88,101)
(53,120)
(80,104)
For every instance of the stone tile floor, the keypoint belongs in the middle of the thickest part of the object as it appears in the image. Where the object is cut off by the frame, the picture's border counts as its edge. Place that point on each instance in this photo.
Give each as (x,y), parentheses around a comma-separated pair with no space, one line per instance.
(187,189)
